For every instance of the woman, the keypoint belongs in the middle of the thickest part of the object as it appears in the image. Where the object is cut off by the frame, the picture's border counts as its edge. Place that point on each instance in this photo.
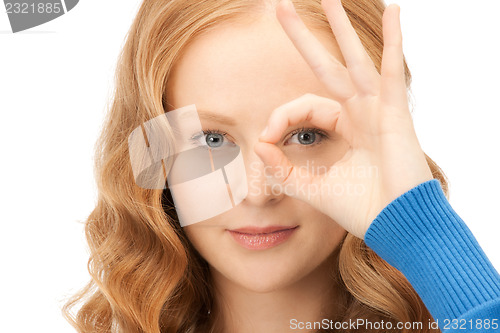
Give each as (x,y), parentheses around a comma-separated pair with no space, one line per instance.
(381,245)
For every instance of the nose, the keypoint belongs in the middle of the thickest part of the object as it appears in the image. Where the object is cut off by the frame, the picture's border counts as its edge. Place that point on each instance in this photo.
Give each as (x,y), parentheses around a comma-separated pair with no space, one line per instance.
(260,191)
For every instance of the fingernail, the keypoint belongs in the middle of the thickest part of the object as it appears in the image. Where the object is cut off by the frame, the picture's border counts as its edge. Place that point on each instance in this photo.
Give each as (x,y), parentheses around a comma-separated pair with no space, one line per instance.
(264,132)
(288,4)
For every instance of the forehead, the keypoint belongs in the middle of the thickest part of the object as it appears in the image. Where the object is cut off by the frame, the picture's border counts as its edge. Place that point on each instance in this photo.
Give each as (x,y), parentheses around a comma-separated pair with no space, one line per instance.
(252,65)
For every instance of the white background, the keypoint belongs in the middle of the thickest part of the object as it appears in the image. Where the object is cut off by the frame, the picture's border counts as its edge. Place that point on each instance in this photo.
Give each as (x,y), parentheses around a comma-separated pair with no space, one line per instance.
(56,79)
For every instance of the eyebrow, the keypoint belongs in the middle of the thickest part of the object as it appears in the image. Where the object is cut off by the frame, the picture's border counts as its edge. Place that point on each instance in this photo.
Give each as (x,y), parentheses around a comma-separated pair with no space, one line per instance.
(205,114)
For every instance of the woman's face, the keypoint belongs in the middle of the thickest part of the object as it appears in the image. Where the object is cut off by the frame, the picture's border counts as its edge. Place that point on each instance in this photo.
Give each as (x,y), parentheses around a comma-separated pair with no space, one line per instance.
(243,72)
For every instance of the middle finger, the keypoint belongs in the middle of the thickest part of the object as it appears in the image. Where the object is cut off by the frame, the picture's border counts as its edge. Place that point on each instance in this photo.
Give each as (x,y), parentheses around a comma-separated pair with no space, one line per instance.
(331,72)
(361,68)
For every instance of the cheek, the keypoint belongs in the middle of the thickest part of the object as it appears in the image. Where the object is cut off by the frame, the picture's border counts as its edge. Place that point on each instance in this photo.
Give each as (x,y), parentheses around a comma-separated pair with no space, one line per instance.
(323,235)
(318,158)
(202,237)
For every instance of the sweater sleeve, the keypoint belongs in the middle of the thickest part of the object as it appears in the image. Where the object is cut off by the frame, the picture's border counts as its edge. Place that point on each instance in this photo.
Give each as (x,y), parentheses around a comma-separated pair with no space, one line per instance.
(421,235)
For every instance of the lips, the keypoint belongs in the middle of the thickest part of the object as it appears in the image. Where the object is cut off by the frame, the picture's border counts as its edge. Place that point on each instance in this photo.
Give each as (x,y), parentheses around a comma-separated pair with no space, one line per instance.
(256,238)
(257,230)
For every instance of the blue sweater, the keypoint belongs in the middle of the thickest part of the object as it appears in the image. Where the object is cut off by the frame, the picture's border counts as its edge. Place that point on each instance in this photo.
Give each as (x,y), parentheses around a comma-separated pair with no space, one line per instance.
(421,235)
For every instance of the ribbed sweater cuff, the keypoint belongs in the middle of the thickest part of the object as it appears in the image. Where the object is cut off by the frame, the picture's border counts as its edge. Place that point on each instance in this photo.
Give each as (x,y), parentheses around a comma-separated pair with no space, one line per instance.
(421,235)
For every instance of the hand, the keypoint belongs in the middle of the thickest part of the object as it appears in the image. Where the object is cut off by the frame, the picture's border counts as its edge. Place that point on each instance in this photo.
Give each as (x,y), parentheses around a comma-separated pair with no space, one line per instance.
(369,110)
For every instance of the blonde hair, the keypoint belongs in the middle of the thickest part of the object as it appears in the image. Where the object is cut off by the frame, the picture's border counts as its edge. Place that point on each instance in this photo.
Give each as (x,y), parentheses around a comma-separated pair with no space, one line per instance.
(146,276)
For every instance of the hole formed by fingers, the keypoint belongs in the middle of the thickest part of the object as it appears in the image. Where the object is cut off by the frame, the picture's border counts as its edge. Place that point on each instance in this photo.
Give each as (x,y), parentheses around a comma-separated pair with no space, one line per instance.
(319,111)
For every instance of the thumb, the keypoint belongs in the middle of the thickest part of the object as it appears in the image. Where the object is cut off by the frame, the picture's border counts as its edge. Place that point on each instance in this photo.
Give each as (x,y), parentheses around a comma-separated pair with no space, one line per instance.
(281,172)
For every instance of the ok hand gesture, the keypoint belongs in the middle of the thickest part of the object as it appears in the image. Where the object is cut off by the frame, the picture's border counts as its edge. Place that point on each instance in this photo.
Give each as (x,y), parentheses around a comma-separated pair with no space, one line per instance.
(369,110)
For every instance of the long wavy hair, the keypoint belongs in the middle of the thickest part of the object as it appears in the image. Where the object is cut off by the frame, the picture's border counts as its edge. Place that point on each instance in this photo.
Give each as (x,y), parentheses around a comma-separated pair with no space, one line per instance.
(145,274)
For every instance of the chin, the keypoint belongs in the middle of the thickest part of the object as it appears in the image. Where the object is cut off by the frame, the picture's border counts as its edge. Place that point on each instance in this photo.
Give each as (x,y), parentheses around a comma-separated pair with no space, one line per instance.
(267,274)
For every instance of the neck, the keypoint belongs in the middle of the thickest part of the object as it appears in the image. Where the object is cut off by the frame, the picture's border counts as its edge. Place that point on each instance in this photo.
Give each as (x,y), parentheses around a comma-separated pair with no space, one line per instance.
(309,299)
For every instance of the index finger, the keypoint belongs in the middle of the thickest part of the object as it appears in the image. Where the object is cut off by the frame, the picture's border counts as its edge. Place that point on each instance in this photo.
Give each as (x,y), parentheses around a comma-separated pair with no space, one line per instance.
(319,111)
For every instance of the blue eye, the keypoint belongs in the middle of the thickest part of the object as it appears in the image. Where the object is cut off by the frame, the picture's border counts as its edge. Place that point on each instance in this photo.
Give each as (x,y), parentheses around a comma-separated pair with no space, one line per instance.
(306,136)
(212,139)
